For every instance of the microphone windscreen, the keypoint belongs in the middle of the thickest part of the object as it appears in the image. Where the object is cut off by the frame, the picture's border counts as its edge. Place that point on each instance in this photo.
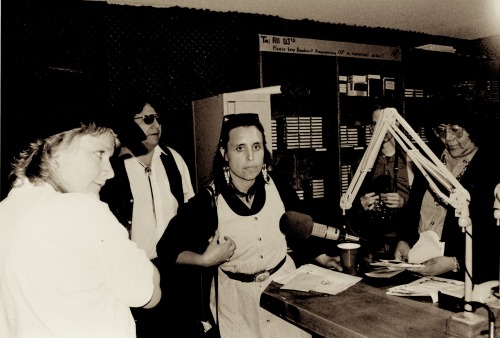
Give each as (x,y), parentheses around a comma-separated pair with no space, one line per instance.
(296,224)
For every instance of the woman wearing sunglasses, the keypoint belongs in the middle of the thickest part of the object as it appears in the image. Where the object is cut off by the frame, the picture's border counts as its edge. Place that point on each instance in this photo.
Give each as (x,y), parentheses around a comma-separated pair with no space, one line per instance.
(150,183)
(467,156)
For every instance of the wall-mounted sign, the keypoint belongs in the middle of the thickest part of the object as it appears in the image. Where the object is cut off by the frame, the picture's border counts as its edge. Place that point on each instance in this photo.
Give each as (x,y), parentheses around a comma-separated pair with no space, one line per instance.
(283,44)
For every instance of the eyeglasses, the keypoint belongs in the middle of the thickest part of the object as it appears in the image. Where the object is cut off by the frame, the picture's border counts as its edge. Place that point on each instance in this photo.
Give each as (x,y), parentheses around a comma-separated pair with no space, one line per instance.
(148,119)
(442,131)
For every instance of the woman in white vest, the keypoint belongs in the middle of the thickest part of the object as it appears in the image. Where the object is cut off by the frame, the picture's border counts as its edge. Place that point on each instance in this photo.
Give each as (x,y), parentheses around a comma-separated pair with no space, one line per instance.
(234,228)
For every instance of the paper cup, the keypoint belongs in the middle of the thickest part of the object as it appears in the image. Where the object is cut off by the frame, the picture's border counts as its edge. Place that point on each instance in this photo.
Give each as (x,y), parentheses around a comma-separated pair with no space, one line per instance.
(348,257)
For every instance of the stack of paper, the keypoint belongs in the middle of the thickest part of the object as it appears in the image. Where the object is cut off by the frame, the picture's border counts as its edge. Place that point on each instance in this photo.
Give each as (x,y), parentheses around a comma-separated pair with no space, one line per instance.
(429,286)
(387,268)
(394,264)
(311,277)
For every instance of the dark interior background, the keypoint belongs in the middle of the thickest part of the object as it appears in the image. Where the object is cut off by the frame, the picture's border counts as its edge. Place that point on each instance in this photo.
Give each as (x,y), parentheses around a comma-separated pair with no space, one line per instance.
(67,60)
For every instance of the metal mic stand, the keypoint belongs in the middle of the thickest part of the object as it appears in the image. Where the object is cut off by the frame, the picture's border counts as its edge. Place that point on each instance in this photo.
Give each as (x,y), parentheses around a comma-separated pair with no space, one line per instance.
(466,323)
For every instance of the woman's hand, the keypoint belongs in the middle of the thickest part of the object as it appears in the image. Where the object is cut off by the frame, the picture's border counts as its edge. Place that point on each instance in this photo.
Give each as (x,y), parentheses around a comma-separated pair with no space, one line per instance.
(329,262)
(368,200)
(218,251)
(392,200)
(401,252)
(435,266)
(215,254)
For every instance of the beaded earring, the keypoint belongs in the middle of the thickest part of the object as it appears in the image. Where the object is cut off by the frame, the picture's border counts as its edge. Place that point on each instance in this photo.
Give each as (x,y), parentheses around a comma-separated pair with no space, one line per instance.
(264,173)
(227,176)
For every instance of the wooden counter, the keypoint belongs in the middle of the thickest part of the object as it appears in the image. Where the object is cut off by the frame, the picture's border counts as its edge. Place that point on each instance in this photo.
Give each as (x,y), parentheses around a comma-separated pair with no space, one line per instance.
(361,311)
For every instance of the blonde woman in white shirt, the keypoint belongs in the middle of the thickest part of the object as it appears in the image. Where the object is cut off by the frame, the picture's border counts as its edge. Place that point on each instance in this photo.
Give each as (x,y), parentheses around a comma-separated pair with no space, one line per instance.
(67,266)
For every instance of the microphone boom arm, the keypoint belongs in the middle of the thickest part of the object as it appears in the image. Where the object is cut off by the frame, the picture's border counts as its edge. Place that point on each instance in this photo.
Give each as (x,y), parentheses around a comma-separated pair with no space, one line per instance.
(432,169)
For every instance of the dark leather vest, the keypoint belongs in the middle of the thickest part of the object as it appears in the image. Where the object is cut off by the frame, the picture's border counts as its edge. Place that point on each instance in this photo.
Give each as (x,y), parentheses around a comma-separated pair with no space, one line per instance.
(118,194)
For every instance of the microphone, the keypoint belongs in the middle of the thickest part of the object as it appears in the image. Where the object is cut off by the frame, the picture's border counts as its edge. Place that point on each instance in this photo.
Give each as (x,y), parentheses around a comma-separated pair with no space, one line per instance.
(302,226)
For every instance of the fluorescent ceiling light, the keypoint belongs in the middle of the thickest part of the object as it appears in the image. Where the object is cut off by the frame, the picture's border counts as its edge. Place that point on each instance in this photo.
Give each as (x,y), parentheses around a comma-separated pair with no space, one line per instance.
(437,48)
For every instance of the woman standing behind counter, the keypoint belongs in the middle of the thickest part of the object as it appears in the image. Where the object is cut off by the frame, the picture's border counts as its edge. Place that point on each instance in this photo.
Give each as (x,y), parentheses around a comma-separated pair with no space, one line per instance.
(241,209)
(469,145)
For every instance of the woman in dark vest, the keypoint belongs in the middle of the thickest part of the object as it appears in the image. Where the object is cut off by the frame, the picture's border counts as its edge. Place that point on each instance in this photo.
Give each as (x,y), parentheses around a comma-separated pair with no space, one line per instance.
(149,185)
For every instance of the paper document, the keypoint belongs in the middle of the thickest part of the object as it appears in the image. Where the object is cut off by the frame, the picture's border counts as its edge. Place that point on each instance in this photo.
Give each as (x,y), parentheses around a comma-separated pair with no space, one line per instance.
(310,277)
(392,264)
(387,268)
(428,246)
(429,286)
(383,272)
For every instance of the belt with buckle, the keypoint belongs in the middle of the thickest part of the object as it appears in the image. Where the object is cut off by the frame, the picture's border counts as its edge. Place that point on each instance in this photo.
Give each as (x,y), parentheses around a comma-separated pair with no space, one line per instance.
(254,277)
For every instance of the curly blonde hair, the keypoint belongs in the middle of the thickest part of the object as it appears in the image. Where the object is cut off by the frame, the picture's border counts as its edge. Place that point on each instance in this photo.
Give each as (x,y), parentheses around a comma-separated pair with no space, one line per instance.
(34,162)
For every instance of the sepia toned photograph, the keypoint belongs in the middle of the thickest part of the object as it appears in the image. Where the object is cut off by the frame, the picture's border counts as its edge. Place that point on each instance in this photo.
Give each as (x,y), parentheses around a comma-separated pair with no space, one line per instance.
(250,169)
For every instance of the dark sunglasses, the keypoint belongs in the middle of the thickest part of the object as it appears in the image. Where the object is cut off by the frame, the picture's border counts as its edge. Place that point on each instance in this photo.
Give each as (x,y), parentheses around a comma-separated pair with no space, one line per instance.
(148,119)
(232,121)
(241,117)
